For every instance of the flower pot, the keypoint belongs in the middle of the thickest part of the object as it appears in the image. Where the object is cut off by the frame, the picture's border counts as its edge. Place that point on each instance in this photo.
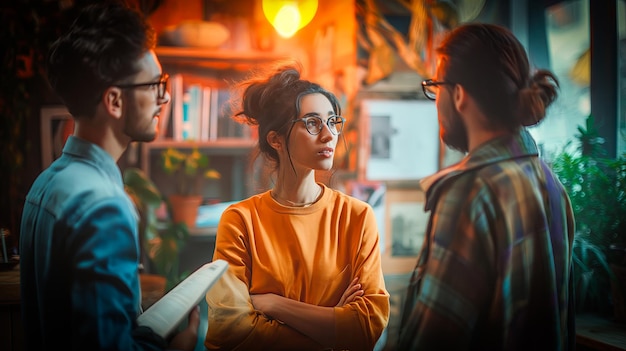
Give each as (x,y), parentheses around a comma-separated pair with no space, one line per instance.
(185,208)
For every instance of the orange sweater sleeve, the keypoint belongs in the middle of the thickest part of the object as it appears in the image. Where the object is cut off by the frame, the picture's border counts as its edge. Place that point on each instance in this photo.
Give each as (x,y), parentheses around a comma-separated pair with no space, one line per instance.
(361,322)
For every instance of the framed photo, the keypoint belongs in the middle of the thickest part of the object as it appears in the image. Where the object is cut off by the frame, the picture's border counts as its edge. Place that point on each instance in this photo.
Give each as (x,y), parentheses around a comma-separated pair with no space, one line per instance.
(57,125)
(374,194)
(400,139)
(406,223)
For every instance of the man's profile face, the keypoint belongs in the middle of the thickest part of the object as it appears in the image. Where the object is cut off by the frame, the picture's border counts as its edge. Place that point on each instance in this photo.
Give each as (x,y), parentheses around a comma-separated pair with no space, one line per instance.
(452,130)
(143,105)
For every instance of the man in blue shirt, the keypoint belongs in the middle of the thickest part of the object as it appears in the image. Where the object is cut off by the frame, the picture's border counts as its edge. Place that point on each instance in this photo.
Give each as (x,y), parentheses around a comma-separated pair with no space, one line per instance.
(79,242)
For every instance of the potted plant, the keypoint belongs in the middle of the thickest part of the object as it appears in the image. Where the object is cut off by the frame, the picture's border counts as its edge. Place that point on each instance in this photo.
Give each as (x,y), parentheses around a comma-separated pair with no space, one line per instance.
(160,241)
(597,189)
(189,170)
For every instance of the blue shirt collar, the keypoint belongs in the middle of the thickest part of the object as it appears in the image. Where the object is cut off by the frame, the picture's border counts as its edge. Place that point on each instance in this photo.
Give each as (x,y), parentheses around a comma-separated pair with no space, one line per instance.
(94,154)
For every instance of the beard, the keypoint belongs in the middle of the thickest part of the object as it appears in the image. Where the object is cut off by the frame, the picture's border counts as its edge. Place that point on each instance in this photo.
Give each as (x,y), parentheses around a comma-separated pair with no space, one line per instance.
(452,130)
(143,136)
(139,128)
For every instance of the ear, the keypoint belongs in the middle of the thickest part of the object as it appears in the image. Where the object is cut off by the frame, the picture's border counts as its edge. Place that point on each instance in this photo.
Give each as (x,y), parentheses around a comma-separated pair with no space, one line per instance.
(112,101)
(275,140)
(460,97)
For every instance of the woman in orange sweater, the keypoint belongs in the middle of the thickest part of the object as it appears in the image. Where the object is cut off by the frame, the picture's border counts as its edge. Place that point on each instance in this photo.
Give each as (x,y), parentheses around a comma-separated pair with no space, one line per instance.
(305,270)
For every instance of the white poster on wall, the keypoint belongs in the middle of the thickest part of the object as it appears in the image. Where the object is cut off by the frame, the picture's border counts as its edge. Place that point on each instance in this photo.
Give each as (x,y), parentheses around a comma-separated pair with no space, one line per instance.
(402,139)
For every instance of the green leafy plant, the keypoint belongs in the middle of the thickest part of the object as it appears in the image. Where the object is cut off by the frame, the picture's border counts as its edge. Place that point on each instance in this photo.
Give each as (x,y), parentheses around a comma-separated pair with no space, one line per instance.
(161,241)
(591,270)
(189,169)
(596,186)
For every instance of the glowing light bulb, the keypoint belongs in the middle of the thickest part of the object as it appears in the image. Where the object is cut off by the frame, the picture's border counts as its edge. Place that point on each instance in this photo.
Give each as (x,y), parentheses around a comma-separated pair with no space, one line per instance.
(287,20)
(288,16)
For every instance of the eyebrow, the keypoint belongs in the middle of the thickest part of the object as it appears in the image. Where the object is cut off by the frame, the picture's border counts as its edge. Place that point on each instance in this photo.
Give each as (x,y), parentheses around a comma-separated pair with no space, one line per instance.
(158,77)
(311,114)
(316,114)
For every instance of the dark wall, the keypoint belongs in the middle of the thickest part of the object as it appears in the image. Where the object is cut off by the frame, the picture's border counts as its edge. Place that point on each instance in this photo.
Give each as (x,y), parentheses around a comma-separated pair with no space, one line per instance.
(27,29)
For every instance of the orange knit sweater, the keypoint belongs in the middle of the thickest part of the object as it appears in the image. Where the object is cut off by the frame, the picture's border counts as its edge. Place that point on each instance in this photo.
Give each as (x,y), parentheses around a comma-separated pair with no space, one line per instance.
(308,254)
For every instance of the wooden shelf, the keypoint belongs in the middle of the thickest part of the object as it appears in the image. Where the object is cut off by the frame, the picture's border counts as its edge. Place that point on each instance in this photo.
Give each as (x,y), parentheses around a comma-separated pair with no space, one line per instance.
(230,145)
(598,333)
(186,57)
(221,146)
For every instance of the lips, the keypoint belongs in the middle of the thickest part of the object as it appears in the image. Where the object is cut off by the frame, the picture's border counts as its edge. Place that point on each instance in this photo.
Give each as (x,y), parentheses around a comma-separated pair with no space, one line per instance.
(326,151)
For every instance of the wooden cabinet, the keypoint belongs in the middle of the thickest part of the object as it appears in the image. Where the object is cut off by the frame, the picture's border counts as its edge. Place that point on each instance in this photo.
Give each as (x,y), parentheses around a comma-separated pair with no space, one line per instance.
(11,330)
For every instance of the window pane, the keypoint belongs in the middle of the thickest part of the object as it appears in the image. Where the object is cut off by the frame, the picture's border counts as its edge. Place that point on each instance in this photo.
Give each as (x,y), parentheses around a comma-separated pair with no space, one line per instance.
(567,29)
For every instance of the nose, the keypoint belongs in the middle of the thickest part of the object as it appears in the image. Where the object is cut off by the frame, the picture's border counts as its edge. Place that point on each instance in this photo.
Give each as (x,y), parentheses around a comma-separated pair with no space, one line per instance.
(165,99)
(325,134)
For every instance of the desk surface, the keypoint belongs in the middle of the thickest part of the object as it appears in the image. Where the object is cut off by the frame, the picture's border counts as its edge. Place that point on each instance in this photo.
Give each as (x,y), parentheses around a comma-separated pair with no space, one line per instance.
(600,333)
(202,231)
(10,286)
(152,287)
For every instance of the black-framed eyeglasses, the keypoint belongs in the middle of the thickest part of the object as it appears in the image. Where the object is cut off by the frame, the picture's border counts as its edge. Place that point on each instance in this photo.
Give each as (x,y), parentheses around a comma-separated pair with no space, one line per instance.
(430,88)
(161,85)
(315,124)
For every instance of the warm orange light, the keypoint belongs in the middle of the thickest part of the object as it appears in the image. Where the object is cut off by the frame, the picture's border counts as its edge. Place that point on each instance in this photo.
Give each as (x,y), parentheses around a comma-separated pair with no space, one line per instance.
(288,16)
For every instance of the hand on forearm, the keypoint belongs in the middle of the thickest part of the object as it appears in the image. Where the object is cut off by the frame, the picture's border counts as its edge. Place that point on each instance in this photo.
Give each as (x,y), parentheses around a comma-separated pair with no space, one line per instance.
(352,291)
(264,303)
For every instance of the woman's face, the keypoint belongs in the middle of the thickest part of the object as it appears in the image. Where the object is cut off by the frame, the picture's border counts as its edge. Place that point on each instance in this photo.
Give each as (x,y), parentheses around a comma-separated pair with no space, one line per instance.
(313,151)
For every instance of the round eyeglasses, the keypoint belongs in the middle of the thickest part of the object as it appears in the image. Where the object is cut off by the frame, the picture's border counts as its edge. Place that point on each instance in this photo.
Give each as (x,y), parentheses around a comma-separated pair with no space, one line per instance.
(430,88)
(161,85)
(314,124)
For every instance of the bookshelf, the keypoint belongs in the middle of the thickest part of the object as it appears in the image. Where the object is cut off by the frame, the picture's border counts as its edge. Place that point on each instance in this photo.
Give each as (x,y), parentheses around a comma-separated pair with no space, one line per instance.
(229,147)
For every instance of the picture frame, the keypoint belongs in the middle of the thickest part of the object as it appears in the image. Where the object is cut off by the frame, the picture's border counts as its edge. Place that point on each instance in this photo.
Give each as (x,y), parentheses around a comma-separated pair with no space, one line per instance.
(374,193)
(406,223)
(56,124)
(400,139)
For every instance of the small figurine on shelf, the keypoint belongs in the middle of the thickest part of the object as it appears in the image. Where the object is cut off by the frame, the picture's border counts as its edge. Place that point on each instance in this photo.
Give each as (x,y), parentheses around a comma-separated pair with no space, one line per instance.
(189,169)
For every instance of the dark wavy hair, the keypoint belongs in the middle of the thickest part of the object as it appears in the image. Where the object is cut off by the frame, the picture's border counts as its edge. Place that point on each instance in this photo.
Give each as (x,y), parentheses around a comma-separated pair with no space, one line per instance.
(492,65)
(271,100)
(101,48)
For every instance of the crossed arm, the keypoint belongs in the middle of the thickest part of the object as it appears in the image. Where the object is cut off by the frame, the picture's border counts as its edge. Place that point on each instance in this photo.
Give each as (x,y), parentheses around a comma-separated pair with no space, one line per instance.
(316,322)
(279,308)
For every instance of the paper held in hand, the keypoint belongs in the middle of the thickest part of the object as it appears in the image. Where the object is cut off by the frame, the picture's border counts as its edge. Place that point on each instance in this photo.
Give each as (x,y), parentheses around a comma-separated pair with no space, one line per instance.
(170,310)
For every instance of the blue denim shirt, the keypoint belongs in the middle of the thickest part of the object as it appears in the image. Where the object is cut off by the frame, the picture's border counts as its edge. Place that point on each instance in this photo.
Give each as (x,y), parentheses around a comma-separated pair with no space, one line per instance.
(79,257)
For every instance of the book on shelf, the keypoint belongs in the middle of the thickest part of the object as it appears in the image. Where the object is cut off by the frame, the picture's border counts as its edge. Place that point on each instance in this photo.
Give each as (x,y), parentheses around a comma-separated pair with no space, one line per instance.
(203,113)
(165,315)
(213,113)
(177,106)
(192,100)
